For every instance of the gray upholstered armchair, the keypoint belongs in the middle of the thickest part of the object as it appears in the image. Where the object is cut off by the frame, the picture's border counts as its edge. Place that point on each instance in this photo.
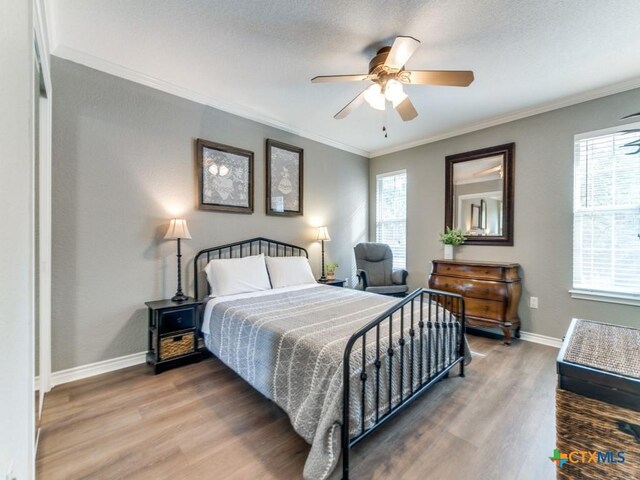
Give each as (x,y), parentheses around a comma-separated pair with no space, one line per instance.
(375,270)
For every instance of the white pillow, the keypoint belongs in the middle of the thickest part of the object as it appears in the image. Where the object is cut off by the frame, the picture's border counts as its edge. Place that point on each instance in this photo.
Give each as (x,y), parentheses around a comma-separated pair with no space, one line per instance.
(229,276)
(289,271)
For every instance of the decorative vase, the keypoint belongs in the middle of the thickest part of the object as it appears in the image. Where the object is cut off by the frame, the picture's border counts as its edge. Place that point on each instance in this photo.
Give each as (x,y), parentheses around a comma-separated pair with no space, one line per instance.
(448,252)
(331,275)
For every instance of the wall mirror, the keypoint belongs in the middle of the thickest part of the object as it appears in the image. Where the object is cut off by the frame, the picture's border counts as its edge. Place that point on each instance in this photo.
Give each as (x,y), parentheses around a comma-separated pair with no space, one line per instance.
(479,194)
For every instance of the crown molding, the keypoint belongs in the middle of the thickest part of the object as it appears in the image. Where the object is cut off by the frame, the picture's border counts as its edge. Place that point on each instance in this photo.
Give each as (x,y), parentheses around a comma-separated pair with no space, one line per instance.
(117,70)
(517,115)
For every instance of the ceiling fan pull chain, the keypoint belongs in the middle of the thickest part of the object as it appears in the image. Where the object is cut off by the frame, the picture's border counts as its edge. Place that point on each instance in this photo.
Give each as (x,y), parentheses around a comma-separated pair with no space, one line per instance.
(384,123)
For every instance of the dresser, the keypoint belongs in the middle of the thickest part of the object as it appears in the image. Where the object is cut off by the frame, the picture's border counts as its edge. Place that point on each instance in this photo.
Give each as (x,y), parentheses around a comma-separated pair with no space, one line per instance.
(491,291)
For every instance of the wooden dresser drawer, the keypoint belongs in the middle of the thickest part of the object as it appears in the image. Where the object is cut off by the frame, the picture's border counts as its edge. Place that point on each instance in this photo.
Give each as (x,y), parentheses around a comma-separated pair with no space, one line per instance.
(490,309)
(469,287)
(470,271)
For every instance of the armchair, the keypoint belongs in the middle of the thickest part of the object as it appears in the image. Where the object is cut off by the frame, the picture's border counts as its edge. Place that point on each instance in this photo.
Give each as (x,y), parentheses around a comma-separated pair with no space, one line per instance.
(374,262)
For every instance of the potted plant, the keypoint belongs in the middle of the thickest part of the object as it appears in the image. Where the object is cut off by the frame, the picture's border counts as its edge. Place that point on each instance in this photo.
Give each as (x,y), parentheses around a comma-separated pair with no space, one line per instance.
(451,238)
(331,270)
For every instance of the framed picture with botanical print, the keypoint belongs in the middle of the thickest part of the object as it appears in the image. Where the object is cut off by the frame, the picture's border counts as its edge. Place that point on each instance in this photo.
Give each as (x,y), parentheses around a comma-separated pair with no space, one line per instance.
(284,179)
(225,177)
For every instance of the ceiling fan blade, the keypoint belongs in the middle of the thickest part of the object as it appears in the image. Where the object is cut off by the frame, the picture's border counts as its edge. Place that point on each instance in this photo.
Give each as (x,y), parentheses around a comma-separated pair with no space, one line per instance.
(401,51)
(406,110)
(341,78)
(631,116)
(452,78)
(351,106)
(488,171)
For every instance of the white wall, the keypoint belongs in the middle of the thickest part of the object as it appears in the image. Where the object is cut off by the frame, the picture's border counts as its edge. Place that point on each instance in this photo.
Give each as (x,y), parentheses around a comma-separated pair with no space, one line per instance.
(16,198)
(543,208)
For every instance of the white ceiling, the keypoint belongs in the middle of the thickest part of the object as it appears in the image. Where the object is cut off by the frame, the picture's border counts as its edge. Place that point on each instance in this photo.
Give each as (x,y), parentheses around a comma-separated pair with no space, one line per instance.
(256,58)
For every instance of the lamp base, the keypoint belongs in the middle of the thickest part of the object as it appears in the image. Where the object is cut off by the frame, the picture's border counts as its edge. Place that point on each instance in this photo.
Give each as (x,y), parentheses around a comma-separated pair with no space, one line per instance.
(179,297)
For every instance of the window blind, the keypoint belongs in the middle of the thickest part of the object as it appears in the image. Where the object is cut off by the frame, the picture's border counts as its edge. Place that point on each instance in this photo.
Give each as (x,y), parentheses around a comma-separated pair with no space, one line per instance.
(391,214)
(606,213)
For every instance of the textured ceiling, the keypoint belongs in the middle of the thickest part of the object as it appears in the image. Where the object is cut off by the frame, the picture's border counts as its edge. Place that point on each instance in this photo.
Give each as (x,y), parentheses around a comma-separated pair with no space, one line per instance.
(256,58)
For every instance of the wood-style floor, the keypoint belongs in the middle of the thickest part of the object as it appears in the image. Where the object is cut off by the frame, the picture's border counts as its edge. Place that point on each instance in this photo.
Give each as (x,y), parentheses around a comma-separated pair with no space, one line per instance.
(204,422)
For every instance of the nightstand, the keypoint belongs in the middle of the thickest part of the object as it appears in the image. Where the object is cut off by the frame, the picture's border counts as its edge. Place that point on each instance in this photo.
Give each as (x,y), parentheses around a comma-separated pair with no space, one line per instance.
(333,283)
(173,333)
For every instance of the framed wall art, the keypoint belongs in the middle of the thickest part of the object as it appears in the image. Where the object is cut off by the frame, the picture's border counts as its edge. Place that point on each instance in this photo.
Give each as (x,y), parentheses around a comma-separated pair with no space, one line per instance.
(284,179)
(225,178)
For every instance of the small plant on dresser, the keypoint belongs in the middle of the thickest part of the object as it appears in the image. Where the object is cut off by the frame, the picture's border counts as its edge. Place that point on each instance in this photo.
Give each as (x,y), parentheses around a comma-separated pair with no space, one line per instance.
(451,238)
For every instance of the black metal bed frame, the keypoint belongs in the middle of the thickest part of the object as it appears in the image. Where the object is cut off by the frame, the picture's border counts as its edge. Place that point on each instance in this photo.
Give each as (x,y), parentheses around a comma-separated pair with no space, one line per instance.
(444,326)
(254,246)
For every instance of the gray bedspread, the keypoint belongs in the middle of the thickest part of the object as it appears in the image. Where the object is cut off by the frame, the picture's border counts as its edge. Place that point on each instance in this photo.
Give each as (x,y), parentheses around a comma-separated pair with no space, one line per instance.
(290,345)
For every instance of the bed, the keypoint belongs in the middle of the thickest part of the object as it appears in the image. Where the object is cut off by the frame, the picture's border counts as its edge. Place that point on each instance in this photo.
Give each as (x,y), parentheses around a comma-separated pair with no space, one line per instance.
(339,362)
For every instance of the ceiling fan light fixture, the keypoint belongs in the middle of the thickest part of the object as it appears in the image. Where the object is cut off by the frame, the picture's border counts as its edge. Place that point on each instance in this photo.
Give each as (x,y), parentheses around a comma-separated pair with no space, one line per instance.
(393,92)
(374,97)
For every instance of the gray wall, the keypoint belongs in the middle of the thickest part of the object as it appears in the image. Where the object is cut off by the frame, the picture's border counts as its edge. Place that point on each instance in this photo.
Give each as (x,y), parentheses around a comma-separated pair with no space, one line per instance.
(543,208)
(124,160)
(16,239)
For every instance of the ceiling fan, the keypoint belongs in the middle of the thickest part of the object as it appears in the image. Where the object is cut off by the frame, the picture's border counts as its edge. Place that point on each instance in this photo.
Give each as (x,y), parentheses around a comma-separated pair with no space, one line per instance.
(386,71)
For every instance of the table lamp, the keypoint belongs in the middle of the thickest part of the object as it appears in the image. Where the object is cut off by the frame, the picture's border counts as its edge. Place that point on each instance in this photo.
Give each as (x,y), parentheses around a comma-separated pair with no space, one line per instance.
(177,231)
(323,236)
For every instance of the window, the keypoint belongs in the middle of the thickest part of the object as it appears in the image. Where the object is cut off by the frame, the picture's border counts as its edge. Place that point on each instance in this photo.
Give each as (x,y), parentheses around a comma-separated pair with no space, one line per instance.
(391,214)
(606,216)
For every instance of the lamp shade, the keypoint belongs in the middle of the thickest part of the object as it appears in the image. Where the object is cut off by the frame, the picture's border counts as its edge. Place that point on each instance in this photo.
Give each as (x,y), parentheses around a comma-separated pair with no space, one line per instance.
(374,97)
(177,229)
(323,234)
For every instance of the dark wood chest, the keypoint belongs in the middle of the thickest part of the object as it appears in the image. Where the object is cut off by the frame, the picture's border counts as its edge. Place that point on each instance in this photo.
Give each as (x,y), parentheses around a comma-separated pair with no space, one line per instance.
(491,291)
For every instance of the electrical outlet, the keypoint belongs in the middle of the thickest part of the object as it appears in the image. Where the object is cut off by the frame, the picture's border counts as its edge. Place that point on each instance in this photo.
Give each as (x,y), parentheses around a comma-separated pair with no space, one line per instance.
(533,302)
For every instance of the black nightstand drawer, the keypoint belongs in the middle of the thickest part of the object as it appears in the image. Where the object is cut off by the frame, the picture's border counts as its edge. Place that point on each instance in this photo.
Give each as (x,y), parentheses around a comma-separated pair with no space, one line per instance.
(177,319)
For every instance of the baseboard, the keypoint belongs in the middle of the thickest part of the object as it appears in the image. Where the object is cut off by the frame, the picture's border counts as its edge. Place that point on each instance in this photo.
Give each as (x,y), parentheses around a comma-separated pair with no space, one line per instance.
(541,339)
(92,369)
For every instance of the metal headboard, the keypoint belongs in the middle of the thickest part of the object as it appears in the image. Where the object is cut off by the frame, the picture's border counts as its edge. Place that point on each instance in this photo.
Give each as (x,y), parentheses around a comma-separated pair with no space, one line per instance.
(245,248)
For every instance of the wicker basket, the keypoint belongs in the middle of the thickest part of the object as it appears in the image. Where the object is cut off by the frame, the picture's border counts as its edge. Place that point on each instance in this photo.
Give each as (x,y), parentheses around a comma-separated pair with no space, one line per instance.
(176,345)
(584,424)
(598,402)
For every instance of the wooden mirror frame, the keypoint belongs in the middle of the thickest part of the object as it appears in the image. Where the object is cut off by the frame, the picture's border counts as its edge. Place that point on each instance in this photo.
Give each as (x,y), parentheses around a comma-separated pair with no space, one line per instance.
(508,150)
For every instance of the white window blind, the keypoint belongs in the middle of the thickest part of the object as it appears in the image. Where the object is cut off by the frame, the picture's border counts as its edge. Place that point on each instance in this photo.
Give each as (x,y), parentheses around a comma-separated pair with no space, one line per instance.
(391,214)
(606,213)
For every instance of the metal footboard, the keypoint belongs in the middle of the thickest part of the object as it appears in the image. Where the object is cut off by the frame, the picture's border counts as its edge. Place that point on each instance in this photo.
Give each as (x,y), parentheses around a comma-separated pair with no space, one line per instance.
(426,332)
